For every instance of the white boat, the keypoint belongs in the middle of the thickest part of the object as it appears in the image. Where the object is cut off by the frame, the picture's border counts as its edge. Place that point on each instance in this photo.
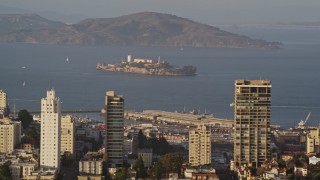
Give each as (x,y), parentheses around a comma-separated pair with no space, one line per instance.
(67,59)
(23,67)
(24,83)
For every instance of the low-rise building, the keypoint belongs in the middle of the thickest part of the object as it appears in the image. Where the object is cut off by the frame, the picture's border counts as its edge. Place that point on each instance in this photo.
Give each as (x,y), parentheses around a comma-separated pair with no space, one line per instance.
(314,160)
(146,155)
(91,164)
(91,177)
(21,170)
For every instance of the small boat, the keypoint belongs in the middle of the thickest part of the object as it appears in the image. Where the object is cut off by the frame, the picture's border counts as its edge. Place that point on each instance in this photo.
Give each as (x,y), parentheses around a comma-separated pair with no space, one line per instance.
(24,83)
(67,59)
(23,67)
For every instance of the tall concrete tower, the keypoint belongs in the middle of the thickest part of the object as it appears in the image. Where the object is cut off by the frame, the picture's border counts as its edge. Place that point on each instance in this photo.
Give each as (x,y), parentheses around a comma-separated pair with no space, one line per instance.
(114,132)
(252,108)
(50,131)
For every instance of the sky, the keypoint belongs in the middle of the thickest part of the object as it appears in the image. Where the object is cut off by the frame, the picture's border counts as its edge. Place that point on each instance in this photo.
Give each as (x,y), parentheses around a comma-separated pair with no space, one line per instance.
(205,11)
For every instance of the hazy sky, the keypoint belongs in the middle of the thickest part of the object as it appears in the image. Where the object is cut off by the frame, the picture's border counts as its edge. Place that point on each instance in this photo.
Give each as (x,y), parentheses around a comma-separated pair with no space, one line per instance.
(207,11)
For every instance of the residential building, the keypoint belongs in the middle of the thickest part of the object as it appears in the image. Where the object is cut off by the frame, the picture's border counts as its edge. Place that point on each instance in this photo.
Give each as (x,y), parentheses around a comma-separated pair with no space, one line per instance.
(91,164)
(3,103)
(21,170)
(50,131)
(67,135)
(313,141)
(199,146)
(114,129)
(91,177)
(10,135)
(146,155)
(252,109)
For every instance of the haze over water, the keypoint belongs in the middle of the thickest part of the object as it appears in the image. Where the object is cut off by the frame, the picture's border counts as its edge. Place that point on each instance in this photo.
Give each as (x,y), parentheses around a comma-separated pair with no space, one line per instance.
(294,72)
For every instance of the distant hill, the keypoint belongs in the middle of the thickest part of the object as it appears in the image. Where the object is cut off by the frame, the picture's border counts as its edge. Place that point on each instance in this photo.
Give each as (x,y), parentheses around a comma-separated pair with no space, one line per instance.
(140,29)
(25,22)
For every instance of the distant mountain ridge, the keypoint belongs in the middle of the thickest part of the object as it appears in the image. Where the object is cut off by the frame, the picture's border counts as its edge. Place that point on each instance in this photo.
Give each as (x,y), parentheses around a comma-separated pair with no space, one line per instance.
(25,22)
(140,29)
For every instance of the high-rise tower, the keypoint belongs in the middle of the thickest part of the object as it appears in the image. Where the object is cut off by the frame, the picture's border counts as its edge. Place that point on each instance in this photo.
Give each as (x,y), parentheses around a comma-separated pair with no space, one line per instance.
(50,131)
(200,146)
(114,132)
(252,107)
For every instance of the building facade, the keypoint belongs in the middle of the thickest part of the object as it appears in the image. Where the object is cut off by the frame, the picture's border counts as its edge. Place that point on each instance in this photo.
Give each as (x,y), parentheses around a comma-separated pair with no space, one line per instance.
(313,141)
(21,170)
(67,135)
(200,146)
(3,103)
(10,135)
(114,129)
(50,131)
(252,109)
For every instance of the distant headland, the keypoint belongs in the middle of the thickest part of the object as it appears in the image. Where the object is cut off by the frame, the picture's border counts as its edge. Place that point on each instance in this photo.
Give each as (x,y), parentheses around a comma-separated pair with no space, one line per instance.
(139,29)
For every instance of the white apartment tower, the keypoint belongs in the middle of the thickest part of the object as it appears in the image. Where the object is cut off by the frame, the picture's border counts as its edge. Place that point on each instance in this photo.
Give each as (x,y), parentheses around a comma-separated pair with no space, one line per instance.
(200,146)
(114,132)
(50,131)
(67,135)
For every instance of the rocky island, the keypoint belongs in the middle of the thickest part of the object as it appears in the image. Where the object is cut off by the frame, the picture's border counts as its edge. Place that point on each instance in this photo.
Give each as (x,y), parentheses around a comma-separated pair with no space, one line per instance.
(148,67)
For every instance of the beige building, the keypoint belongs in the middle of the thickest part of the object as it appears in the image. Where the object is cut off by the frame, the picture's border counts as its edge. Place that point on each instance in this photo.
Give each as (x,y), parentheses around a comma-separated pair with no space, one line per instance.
(21,170)
(3,102)
(50,131)
(199,146)
(146,155)
(10,135)
(42,175)
(91,164)
(85,177)
(67,135)
(114,129)
(313,141)
(252,109)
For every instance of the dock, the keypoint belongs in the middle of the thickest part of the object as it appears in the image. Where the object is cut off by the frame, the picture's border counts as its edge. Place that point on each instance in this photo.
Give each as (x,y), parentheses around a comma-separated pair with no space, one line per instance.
(187,119)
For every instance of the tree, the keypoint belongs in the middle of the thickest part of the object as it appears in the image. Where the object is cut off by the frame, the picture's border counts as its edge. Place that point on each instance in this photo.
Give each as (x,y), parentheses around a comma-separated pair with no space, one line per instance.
(139,167)
(156,171)
(142,140)
(171,163)
(5,171)
(121,174)
(105,170)
(25,118)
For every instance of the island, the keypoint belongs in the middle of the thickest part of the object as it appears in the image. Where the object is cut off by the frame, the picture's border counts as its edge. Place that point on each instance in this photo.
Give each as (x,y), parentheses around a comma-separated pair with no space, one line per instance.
(147,67)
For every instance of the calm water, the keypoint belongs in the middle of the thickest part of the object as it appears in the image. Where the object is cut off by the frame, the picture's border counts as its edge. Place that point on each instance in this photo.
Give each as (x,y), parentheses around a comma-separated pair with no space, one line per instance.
(294,72)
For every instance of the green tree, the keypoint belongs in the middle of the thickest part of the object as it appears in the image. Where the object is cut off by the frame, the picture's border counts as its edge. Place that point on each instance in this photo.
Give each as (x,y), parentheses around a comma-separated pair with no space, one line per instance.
(156,171)
(121,174)
(142,140)
(139,167)
(5,171)
(25,118)
(171,163)
(105,170)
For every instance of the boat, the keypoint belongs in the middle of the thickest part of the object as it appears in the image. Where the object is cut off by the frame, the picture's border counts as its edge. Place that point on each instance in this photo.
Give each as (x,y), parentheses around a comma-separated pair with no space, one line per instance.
(147,67)
(24,83)
(23,67)
(67,59)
